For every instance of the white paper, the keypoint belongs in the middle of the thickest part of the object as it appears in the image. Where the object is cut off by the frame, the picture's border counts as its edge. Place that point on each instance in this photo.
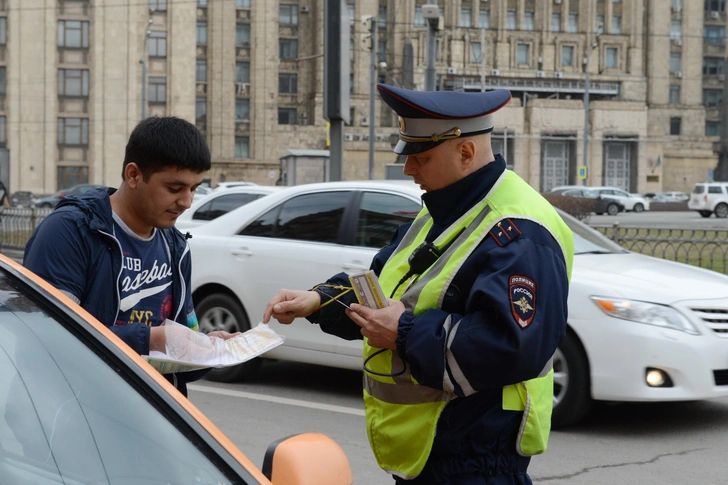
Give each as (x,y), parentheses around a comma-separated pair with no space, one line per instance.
(242,348)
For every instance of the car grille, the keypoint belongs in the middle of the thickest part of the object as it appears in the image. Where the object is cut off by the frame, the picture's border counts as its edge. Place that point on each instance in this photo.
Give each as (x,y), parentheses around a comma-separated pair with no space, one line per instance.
(721,377)
(715,319)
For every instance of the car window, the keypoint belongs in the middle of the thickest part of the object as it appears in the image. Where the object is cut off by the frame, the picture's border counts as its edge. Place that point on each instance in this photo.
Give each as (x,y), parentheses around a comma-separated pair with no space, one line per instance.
(70,416)
(699,189)
(588,240)
(308,217)
(222,205)
(715,189)
(380,215)
(621,193)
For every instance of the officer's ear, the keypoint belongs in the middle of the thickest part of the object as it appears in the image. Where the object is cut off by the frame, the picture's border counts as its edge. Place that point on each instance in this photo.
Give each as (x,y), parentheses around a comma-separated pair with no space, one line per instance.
(467,151)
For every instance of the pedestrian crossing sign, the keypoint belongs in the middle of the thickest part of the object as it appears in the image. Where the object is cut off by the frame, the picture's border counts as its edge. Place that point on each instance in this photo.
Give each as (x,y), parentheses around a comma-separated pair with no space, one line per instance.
(582,172)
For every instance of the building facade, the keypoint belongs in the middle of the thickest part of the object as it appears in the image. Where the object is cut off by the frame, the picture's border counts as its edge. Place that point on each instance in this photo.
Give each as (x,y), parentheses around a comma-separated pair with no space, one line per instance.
(77,75)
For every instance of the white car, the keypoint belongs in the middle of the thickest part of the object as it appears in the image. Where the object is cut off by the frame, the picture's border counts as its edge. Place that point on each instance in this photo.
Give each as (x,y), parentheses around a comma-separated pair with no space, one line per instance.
(640,328)
(230,185)
(710,197)
(215,204)
(631,202)
(200,192)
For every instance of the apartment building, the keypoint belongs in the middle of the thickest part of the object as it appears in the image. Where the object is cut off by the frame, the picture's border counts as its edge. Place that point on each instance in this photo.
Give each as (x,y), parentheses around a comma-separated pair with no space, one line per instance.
(77,75)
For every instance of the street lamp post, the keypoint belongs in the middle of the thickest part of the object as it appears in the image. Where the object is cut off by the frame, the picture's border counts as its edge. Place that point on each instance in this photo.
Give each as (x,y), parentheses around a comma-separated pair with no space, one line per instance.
(585,162)
(143,62)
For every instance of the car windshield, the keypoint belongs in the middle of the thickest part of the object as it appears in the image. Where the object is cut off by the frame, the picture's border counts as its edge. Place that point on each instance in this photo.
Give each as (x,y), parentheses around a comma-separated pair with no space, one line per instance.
(71,416)
(588,240)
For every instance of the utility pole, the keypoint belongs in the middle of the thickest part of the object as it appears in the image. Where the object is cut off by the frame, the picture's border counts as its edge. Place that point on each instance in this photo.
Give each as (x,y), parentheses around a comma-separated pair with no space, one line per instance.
(585,162)
(431,13)
(143,62)
(371,23)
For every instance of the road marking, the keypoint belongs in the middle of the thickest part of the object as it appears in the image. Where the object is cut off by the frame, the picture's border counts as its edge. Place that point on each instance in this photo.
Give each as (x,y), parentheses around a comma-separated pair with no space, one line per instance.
(275,399)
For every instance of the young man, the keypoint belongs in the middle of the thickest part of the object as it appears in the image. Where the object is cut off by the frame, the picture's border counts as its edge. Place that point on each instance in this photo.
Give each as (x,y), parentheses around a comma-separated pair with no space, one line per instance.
(117,252)
(458,381)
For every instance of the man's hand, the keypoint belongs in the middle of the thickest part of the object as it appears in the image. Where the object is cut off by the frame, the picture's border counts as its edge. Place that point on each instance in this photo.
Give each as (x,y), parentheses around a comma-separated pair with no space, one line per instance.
(223,334)
(379,326)
(288,305)
(187,345)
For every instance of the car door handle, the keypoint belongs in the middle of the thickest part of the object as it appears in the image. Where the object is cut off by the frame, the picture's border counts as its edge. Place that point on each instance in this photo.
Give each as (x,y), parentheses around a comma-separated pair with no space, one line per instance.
(241,252)
(355,265)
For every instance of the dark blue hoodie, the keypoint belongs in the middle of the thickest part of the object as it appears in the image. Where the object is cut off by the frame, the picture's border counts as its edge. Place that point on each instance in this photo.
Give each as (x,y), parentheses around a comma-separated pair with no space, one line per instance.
(74,250)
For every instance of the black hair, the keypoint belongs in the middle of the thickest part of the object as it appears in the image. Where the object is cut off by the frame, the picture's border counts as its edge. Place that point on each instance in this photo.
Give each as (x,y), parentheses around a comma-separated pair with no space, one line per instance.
(162,142)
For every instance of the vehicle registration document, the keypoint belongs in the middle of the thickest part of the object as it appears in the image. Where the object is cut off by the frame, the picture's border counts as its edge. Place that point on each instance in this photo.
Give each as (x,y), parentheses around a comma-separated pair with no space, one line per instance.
(242,348)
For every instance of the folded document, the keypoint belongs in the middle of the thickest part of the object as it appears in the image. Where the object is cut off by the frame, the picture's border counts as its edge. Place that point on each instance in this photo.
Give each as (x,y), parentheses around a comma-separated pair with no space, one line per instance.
(242,348)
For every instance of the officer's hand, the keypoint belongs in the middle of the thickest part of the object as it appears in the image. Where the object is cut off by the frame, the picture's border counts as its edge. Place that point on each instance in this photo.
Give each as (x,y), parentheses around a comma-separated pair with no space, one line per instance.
(288,305)
(379,326)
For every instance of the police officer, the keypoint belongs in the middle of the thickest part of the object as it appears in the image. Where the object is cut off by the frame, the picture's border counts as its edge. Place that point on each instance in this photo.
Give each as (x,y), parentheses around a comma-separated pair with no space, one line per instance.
(458,381)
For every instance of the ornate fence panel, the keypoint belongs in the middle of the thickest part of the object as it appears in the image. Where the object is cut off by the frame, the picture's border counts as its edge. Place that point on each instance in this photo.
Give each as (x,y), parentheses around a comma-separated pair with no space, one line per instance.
(17,224)
(700,247)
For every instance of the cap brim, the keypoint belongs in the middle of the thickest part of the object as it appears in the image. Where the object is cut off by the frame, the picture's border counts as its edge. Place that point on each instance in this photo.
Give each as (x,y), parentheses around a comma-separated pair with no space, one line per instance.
(406,148)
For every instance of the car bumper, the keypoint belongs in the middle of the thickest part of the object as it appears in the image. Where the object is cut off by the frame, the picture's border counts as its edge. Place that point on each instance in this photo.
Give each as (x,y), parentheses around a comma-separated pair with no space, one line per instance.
(626,349)
(698,205)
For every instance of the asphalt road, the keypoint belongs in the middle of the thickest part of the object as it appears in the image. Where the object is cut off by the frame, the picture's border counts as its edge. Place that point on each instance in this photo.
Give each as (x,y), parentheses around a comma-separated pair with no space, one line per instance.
(626,444)
(661,220)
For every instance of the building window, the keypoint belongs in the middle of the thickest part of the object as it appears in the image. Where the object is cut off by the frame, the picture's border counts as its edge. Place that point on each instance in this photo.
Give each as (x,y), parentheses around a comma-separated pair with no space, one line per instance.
(556,22)
(573,26)
(158,5)
(242,3)
(200,110)
(70,176)
(158,43)
(612,58)
(382,50)
(287,116)
(288,14)
(712,128)
(288,83)
(713,66)
(466,19)
(714,34)
(201,71)
(715,5)
(600,24)
(476,52)
(528,21)
(676,4)
(3,131)
(712,98)
(242,72)
(73,82)
(72,34)
(567,56)
(73,131)
(201,33)
(242,147)
(484,18)
(676,29)
(382,17)
(352,13)
(3,30)
(419,18)
(3,83)
(158,90)
(242,35)
(511,20)
(675,62)
(287,48)
(202,3)
(242,110)
(674,94)
(675,126)
(616,24)
(522,54)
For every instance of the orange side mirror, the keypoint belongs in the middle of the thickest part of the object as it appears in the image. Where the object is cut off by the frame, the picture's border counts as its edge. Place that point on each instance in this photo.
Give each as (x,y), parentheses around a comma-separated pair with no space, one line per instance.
(307,459)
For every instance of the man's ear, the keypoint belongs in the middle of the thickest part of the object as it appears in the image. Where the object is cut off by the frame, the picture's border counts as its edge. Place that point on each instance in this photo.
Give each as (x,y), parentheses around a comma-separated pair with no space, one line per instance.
(467,152)
(132,175)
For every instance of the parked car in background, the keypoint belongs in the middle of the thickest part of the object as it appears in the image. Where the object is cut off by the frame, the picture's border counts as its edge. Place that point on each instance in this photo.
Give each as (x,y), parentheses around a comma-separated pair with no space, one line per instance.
(676,196)
(710,198)
(23,198)
(631,202)
(80,407)
(230,185)
(602,205)
(215,204)
(620,303)
(52,200)
(200,192)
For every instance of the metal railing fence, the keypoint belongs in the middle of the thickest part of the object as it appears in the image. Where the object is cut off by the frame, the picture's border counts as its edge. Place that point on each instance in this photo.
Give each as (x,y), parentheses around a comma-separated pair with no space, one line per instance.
(17,225)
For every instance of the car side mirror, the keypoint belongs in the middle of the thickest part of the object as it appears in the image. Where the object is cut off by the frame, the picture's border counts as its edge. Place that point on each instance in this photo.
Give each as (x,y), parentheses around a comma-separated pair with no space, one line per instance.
(307,459)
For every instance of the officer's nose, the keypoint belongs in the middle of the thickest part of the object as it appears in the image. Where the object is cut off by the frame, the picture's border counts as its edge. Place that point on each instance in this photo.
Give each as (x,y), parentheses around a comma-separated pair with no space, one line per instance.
(409,166)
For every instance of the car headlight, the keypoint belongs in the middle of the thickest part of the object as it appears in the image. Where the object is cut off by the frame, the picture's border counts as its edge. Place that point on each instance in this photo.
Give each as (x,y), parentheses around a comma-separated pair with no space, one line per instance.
(647,313)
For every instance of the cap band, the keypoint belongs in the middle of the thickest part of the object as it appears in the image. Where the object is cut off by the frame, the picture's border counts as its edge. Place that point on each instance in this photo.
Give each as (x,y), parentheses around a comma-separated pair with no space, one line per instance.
(424,130)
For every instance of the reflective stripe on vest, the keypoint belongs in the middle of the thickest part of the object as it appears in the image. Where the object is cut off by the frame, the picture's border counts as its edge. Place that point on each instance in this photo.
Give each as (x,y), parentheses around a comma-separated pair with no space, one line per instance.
(401,414)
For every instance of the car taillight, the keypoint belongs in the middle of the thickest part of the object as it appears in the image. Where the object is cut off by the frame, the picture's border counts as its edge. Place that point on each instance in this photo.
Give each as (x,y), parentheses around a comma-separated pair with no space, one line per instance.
(705,198)
(60,195)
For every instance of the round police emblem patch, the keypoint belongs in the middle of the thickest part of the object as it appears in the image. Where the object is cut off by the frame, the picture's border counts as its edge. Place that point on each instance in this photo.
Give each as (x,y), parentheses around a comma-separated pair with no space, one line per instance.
(522,293)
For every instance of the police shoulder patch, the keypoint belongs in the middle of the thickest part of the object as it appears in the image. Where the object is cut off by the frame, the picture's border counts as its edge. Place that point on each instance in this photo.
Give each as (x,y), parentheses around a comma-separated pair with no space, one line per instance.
(522,294)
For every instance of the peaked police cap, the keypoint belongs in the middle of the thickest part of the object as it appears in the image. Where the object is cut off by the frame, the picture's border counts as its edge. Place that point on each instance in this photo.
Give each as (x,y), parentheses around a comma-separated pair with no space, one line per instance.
(428,118)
